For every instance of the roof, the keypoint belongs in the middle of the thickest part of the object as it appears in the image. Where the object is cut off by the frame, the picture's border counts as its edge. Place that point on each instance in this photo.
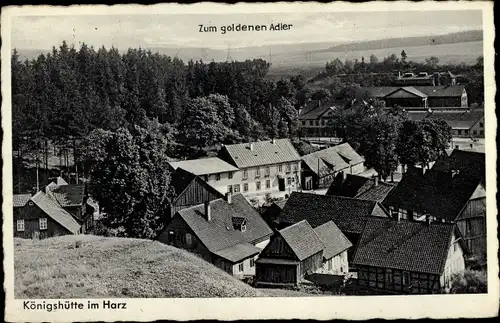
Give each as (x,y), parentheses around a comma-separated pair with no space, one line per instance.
(180,179)
(409,89)
(218,233)
(68,194)
(430,91)
(263,153)
(281,203)
(238,251)
(20,200)
(302,239)
(315,109)
(333,239)
(204,166)
(332,159)
(348,214)
(470,163)
(436,193)
(404,245)
(361,187)
(61,181)
(456,119)
(56,212)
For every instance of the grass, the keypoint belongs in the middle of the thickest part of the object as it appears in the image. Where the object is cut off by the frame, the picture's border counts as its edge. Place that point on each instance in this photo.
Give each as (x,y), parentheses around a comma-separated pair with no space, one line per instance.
(118,267)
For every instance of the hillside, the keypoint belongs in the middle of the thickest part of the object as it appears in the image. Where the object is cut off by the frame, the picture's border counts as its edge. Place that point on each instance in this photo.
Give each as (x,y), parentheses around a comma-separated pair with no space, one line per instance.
(118,267)
(460,37)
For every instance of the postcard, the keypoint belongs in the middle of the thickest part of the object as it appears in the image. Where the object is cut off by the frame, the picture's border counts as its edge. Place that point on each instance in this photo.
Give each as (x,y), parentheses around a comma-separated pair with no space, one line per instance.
(249,161)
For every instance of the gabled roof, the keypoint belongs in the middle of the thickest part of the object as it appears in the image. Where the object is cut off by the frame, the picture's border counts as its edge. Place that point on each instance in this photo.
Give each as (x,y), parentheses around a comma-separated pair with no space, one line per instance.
(238,251)
(263,153)
(404,245)
(20,200)
(68,194)
(314,109)
(180,179)
(456,119)
(61,181)
(408,89)
(333,239)
(348,214)
(219,234)
(332,159)
(204,166)
(361,187)
(56,212)
(436,193)
(430,91)
(302,239)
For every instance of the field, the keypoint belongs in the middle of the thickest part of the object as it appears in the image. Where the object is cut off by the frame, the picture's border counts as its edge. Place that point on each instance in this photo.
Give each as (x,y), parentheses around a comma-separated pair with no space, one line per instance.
(448,53)
(118,267)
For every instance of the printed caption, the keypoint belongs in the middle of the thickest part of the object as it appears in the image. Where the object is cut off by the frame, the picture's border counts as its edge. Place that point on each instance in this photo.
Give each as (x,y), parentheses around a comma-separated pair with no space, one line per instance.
(73,305)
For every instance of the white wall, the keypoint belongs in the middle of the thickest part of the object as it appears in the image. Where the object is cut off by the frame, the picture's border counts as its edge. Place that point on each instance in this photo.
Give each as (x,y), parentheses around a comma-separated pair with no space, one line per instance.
(339,265)
(274,171)
(248,270)
(455,263)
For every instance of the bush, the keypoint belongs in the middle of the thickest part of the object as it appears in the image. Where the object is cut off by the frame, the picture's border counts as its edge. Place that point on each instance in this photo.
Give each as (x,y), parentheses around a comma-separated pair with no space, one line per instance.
(471,281)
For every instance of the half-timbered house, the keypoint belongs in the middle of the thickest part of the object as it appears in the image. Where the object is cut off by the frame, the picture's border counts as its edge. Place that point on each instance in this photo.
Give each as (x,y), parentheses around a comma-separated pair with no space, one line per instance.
(406,257)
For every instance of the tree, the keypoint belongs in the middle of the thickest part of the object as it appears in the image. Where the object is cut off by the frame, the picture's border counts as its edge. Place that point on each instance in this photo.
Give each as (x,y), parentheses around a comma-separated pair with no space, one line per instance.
(403,56)
(321,94)
(373,59)
(131,181)
(470,281)
(334,67)
(432,62)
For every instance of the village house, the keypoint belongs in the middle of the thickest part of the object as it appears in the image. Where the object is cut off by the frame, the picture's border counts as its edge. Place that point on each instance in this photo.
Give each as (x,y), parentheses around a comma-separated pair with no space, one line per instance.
(452,191)
(227,232)
(216,172)
(464,124)
(59,210)
(189,190)
(265,166)
(421,98)
(299,250)
(406,257)
(314,117)
(320,168)
(360,187)
(348,214)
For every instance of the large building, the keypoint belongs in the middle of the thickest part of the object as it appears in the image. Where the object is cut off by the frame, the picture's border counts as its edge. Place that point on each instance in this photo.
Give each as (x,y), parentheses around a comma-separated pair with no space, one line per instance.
(264,166)
(464,124)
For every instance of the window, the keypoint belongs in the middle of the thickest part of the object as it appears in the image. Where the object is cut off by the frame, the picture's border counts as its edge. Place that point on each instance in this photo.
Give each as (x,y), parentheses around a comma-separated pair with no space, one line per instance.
(455,247)
(189,239)
(257,186)
(288,168)
(171,236)
(311,123)
(467,225)
(245,187)
(257,172)
(240,267)
(388,275)
(317,123)
(481,125)
(43,223)
(230,175)
(481,132)
(20,225)
(236,188)
(217,177)
(475,132)
(403,214)
(295,167)
(268,183)
(230,188)
(243,227)
(268,171)
(459,131)
(252,262)
(466,131)
(330,266)
(280,168)
(289,180)
(406,278)
(323,122)
(303,123)
(245,174)
(391,210)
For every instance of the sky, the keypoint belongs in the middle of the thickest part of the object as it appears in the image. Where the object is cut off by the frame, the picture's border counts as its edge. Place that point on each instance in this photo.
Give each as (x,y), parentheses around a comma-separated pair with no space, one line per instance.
(182,30)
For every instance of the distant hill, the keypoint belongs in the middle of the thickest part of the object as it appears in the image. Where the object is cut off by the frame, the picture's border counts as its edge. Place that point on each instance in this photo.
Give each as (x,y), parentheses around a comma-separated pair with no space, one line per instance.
(119,267)
(459,37)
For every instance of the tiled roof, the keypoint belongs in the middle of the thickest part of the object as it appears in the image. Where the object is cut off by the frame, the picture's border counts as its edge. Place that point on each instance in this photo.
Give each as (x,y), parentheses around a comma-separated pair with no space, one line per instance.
(456,120)
(333,239)
(348,214)
(332,159)
(430,91)
(435,193)
(204,166)
(361,187)
(219,233)
(404,245)
(239,251)
(68,195)
(263,153)
(56,212)
(302,239)
(470,163)
(20,200)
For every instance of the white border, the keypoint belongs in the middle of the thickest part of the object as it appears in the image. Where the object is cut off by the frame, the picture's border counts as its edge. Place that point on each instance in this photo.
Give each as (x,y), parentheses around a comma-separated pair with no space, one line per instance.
(354,307)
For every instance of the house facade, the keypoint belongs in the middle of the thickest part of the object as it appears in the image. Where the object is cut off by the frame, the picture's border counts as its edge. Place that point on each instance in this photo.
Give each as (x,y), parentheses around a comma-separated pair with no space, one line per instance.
(217,173)
(228,233)
(264,166)
(320,168)
(393,256)
(336,244)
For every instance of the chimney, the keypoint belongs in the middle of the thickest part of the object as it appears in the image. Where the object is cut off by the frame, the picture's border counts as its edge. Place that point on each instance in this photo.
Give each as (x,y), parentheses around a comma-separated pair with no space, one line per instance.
(319,103)
(428,219)
(228,197)
(273,141)
(208,212)
(251,146)
(399,216)
(375,178)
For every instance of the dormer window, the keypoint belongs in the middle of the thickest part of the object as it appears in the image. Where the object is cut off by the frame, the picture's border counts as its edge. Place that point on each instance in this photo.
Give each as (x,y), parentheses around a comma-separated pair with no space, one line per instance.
(239,223)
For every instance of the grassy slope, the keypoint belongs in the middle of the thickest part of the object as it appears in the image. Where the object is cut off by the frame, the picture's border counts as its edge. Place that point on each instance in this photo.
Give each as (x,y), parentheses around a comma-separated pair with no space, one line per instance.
(116,267)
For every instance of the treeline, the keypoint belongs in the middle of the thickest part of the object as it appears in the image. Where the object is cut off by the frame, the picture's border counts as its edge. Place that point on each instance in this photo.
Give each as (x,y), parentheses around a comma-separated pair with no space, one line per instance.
(67,93)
